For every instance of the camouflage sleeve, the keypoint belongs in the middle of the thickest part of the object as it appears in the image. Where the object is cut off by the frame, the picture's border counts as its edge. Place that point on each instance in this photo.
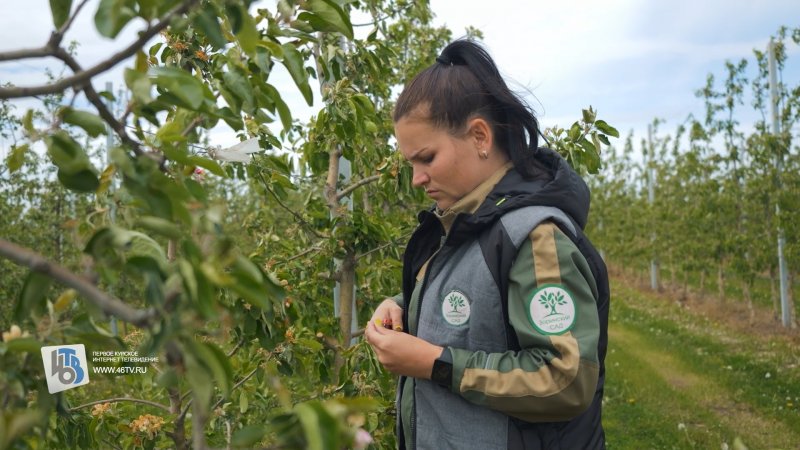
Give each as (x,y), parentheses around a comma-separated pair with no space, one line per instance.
(552,309)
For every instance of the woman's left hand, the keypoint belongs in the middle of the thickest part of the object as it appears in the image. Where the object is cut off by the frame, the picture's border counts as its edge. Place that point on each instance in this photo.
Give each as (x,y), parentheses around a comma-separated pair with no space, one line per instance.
(402,353)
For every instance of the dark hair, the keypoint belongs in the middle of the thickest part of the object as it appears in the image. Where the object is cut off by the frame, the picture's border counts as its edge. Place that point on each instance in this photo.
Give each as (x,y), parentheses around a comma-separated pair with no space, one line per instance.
(463,83)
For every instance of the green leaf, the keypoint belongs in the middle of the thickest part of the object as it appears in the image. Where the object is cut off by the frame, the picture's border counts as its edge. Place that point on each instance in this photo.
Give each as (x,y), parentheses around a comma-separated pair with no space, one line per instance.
(180,83)
(209,164)
(310,344)
(24,345)
(251,284)
(575,132)
(196,189)
(32,297)
(167,379)
(216,362)
(115,240)
(65,153)
(91,123)
(139,84)
(294,64)
(320,428)
(74,169)
(27,123)
(199,378)
(247,268)
(588,147)
(243,403)
(60,10)
(248,436)
(606,128)
(234,13)
(20,423)
(247,35)
(148,9)
(283,110)
(604,139)
(274,48)
(588,115)
(172,131)
(158,225)
(16,157)
(141,64)
(112,16)
(330,16)
(85,180)
(207,21)
(236,82)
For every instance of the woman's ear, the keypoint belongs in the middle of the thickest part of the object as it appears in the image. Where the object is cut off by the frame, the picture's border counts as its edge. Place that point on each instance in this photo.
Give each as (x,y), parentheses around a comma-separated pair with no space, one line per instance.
(480,133)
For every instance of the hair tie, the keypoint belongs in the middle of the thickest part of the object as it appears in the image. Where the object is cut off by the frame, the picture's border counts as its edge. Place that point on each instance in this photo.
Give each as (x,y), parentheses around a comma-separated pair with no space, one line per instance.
(444,60)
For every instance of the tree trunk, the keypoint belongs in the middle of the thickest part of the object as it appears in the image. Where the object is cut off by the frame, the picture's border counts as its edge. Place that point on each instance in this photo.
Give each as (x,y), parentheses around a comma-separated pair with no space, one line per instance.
(179,434)
(686,284)
(702,282)
(671,268)
(748,298)
(347,279)
(346,269)
(773,292)
(172,250)
(721,281)
(792,316)
(199,419)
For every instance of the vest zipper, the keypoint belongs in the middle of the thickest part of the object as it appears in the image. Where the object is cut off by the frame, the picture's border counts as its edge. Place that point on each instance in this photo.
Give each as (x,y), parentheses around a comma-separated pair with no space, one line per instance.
(431,260)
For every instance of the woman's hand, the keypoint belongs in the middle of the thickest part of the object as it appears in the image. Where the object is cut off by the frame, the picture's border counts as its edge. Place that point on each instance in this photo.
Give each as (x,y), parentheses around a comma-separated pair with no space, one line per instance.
(401,353)
(388,313)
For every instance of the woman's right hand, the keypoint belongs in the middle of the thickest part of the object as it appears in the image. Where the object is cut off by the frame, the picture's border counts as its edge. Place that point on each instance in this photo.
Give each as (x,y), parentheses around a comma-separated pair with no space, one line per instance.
(388,312)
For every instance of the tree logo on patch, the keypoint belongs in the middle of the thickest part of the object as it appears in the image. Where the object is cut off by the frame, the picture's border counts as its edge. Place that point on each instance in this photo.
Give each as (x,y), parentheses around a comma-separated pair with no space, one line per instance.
(552,310)
(455,308)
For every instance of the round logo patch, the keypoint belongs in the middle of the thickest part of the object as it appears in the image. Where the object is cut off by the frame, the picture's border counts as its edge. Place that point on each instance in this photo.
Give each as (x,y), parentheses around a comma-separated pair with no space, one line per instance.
(455,308)
(552,310)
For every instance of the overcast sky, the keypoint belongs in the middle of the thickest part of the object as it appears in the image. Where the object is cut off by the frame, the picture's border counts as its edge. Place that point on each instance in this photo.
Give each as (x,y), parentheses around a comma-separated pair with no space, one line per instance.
(632,60)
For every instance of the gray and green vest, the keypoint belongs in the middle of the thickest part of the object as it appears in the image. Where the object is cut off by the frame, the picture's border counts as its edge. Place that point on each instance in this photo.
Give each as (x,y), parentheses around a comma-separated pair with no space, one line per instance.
(473,274)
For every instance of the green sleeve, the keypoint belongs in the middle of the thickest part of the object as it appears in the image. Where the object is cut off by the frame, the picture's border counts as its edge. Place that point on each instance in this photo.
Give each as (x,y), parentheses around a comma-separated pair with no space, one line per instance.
(552,310)
(398,299)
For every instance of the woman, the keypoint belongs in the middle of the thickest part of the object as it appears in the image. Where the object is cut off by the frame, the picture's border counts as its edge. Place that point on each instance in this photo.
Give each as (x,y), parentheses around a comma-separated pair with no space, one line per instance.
(504,308)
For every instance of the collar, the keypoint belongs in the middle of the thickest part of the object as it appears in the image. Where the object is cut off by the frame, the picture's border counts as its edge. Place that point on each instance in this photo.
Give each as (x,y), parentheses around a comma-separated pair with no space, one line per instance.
(472,201)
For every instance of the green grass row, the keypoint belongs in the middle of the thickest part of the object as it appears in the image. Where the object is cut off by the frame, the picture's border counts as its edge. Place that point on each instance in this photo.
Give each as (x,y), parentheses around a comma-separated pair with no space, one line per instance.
(680,381)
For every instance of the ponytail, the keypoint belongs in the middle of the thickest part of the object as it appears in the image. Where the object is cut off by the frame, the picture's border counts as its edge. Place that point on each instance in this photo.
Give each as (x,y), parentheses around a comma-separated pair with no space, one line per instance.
(464,83)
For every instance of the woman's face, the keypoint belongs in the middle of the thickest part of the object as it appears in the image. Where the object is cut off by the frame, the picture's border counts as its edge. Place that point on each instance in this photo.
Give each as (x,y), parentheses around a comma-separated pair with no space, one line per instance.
(447,167)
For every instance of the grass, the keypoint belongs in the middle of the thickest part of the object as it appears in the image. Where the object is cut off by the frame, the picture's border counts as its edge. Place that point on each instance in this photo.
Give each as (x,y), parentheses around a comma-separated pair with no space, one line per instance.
(681,379)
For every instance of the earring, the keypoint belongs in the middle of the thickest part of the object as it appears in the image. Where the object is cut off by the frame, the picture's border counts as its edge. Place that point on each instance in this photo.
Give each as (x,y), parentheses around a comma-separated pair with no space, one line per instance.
(484,154)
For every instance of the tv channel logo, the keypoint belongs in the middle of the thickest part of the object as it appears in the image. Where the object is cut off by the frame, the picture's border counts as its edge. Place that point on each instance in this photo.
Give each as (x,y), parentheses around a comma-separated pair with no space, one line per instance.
(65,367)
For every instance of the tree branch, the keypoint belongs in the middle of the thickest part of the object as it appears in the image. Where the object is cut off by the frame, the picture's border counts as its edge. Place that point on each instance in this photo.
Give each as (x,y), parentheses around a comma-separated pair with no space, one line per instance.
(94,99)
(123,399)
(81,77)
(305,252)
(236,386)
(69,22)
(24,53)
(379,248)
(297,216)
(52,43)
(109,305)
(349,189)
(236,348)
